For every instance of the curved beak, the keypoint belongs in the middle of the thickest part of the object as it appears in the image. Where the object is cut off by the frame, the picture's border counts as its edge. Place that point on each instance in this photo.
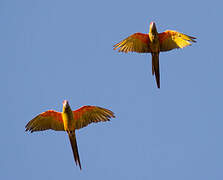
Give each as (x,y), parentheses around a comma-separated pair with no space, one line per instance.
(65,103)
(152,27)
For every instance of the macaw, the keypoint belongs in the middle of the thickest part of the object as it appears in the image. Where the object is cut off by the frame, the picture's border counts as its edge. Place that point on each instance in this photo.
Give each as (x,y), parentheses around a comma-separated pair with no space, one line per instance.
(154,43)
(69,121)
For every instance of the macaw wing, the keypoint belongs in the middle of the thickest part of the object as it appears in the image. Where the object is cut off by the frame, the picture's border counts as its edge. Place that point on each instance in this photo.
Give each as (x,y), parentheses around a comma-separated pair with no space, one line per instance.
(172,39)
(89,114)
(137,42)
(46,120)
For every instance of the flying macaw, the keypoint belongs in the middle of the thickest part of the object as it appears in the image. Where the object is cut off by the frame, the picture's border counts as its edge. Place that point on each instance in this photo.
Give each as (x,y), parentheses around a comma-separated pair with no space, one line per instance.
(154,43)
(69,121)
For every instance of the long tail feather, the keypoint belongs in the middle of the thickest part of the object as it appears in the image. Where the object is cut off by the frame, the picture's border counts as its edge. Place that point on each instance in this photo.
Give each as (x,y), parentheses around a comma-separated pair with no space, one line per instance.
(155,68)
(153,71)
(73,143)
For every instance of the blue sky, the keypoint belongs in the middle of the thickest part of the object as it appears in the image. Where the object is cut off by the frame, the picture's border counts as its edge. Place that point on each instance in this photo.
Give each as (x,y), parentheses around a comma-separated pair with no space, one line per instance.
(55,50)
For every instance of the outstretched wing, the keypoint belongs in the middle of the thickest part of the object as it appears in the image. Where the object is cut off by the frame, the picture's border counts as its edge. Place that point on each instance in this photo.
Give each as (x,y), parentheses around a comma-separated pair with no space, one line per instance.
(137,42)
(89,114)
(172,39)
(46,120)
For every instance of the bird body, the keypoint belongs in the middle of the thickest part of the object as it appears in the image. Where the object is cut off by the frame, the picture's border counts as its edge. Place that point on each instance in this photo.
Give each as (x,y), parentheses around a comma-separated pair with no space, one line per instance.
(155,50)
(69,121)
(68,117)
(154,43)
(69,126)
(154,38)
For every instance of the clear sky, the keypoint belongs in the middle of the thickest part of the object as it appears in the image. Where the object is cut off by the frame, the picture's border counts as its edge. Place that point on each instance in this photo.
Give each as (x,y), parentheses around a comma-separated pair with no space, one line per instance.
(55,50)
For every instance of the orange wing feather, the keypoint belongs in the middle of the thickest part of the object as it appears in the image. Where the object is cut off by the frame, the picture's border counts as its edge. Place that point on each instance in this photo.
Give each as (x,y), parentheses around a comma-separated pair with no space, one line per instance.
(172,39)
(89,114)
(46,120)
(137,42)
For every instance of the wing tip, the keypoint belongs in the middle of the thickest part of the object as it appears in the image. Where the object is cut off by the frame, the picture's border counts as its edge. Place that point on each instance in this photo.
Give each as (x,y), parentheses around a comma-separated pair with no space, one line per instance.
(27,128)
(192,39)
(115,47)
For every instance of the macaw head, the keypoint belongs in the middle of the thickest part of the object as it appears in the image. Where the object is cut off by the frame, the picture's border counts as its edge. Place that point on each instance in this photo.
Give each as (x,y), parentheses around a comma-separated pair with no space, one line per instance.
(65,104)
(152,28)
